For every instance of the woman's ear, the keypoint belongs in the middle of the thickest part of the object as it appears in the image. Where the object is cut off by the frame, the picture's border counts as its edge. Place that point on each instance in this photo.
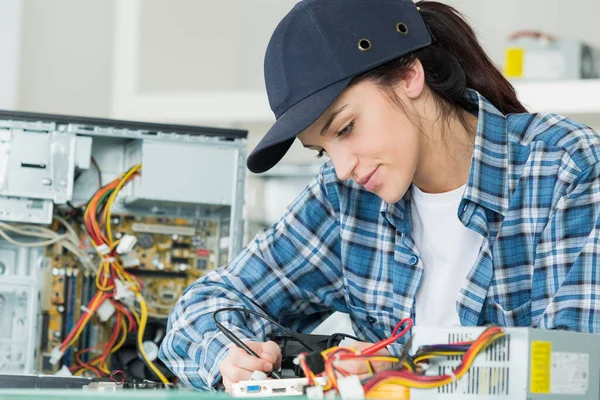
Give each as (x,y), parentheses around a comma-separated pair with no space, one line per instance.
(414,82)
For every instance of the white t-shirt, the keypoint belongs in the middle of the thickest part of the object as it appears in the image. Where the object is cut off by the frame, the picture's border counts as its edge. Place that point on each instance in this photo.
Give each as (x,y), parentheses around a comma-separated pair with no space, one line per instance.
(448,251)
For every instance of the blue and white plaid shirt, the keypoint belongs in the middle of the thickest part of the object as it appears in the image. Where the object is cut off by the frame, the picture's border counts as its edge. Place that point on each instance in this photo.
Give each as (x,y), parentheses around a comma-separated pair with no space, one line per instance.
(533,194)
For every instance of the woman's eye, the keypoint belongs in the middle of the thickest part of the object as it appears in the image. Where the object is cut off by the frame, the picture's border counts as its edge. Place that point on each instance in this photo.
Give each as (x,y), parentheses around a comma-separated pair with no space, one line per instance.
(347,129)
(321,153)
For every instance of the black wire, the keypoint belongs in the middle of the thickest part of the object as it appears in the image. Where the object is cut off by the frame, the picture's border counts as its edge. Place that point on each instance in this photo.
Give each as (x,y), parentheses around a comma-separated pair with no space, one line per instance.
(332,338)
(95,163)
(236,340)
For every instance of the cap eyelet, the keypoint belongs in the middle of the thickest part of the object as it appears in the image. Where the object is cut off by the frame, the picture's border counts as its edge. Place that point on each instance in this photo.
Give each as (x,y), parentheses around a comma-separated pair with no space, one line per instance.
(402,28)
(364,44)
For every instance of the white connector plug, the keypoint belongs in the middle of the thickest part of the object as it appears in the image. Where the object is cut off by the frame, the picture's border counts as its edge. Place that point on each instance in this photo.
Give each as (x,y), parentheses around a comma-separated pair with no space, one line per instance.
(56,355)
(105,311)
(314,393)
(126,244)
(258,376)
(350,388)
(122,291)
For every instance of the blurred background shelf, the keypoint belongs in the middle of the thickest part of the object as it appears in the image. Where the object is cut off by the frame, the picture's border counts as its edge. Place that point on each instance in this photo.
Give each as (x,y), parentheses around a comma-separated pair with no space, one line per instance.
(580,97)
(572,98)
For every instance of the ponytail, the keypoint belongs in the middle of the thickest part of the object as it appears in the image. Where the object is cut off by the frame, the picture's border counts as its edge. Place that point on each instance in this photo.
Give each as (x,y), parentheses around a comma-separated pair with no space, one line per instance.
(457,51)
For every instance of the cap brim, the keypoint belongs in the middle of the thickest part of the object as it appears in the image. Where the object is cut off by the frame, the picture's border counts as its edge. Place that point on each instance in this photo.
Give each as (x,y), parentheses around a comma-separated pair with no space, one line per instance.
(278,140)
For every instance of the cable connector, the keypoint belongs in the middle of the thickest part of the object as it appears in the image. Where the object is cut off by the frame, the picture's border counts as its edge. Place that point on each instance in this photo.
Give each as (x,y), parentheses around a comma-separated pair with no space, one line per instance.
(130,260)
(258,376)
(63,371)
(314,393)
(350,388)
(314,361)
(105,311)
(103,249)
(330,395)
(122,291)
(126,244)
(56,355)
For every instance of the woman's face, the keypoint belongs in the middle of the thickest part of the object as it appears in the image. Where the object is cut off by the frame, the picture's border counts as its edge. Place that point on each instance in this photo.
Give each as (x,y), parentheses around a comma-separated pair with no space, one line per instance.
(369,139)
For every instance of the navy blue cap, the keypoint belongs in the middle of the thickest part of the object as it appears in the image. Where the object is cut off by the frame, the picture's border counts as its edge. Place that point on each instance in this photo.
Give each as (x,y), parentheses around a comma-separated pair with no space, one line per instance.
(314,53)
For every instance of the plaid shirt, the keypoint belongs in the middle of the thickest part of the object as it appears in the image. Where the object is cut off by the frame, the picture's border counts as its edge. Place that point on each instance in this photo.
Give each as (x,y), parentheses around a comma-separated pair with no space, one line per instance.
(533,194)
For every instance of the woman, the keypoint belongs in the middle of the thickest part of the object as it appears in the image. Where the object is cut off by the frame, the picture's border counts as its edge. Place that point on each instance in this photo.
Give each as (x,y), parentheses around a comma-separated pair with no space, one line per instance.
(443,199)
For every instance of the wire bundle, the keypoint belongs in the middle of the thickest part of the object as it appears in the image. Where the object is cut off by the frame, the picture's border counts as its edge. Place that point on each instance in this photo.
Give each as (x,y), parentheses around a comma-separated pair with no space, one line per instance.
(69,239)
(114,283)
(409,370)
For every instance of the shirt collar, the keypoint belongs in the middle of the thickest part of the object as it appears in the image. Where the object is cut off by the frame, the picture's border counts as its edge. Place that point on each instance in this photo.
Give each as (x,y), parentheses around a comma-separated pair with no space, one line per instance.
(488,177)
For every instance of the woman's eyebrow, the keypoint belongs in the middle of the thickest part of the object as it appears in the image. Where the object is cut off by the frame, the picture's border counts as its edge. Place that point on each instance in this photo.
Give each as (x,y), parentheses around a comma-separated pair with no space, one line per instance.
(331,119)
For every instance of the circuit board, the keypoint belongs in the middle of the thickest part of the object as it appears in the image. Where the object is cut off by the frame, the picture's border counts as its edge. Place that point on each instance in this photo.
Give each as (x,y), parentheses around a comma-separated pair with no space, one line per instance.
(168,256)
(169,245)
(70,288)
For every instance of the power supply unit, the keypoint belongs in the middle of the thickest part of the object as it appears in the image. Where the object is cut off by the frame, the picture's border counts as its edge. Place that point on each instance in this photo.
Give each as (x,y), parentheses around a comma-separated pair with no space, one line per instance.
(525,364)
(536,56)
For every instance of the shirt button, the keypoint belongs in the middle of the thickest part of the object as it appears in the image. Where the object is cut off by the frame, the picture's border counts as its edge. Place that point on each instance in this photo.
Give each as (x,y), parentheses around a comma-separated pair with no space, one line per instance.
(371,320)
(413,260)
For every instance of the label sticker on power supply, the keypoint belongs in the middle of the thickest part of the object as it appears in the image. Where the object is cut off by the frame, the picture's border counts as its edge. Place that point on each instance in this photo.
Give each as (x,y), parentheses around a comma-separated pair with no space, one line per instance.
(570,373)
(541,352)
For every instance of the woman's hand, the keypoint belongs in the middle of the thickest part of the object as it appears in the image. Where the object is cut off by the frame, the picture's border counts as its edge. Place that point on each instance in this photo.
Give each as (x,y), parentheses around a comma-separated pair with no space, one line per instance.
(238,365)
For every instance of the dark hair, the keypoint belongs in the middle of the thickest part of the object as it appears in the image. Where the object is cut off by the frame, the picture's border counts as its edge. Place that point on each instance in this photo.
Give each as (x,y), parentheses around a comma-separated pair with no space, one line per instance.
(454,62)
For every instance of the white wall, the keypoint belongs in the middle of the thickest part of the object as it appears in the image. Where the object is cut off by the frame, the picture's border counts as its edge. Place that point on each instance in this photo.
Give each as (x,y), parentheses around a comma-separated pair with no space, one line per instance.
(189,45)
(66,56)
(10,42)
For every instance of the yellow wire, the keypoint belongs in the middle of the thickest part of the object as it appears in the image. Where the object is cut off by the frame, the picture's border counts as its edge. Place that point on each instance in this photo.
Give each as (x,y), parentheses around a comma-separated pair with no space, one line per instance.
(94,306)
(103,270)
(113,196)
(140,336)
(135,315)
(437,354)
(123,337)
(431,385)
(104,366)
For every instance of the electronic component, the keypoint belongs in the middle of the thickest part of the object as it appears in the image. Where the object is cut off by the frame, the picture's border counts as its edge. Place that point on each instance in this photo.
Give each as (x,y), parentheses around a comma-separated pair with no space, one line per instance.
(38,164)
(538,56)
(180,260)
(126,244)
(201,263)
(463,362)
(180,245)
(526,363)
(272,387)
(53,317)
(146,241)
(291,347)
(128,359)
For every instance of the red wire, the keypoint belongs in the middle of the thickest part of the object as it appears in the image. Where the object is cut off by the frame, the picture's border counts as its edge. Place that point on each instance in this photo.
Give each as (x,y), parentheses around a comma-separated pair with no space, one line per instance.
(118,372)
(395,336)
(428,378)
(132,323)
(107,348)
(113,337)
(82,364)
(81,318)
